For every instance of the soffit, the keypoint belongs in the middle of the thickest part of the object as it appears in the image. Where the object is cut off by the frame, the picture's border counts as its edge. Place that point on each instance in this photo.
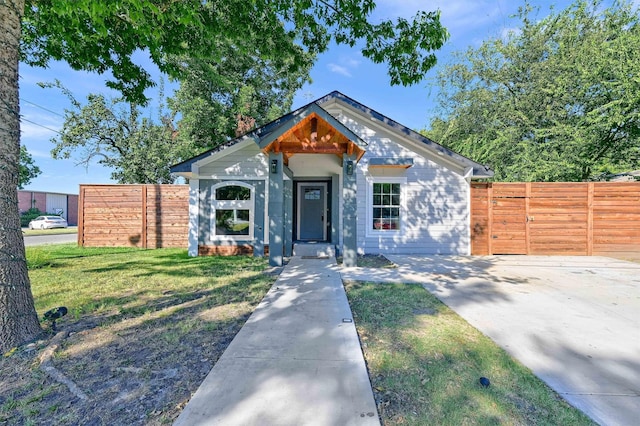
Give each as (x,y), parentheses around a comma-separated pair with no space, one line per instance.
(313,135)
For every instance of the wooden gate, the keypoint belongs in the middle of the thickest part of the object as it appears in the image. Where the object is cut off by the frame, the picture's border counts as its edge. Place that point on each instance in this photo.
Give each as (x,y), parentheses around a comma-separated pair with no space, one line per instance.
(582,218)
(508,218)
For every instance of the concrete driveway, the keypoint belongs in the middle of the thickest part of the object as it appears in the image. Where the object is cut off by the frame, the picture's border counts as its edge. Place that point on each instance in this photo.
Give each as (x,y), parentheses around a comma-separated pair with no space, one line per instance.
(574,321)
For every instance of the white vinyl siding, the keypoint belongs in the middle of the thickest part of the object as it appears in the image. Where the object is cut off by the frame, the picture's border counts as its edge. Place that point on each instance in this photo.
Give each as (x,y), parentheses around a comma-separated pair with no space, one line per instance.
(246,163)
(435,197)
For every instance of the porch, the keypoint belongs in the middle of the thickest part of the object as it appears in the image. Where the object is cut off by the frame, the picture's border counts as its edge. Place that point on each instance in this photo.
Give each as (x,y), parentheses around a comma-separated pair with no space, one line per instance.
(312,191)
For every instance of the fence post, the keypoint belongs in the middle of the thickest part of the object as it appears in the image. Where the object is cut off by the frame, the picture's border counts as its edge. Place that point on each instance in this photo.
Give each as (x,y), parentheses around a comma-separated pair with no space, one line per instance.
(527,196)
(144,216)
(81,217)
(490,217)
(590,189)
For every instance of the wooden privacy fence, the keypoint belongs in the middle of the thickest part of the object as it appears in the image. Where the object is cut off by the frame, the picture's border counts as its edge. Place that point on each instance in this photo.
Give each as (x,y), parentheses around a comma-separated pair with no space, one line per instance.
(586,218)
(148,216)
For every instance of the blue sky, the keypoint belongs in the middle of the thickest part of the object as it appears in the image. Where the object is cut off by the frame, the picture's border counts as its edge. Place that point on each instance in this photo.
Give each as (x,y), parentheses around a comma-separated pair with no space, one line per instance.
(341,68)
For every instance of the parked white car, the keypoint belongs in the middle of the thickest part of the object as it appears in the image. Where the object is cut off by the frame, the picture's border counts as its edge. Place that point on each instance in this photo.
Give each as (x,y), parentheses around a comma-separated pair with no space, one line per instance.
(48,222)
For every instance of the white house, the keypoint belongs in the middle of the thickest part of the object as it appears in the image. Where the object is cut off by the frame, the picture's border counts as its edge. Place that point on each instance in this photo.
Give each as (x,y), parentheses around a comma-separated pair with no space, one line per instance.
(333,171)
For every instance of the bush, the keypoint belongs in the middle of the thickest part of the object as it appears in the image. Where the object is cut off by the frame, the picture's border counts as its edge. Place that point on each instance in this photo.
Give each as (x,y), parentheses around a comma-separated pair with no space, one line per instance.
(28,216)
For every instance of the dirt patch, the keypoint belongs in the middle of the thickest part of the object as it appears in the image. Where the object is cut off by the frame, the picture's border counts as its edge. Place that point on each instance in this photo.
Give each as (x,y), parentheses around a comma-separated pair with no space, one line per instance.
(134,370)
(371,261)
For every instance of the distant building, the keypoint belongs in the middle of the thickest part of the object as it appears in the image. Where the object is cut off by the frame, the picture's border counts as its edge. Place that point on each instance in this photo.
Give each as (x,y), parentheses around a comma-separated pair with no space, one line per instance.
(65,205)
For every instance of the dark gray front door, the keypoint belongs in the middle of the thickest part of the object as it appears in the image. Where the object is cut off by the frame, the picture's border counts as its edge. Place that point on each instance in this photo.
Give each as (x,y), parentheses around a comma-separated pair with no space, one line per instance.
(312,211)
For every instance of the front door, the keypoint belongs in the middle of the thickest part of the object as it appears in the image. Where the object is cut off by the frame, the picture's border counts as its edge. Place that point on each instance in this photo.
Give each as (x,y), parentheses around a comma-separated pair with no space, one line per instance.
(312,211)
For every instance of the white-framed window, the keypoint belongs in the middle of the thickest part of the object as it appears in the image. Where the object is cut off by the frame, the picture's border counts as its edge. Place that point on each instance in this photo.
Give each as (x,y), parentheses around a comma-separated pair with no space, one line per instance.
(386,207)
(232,206)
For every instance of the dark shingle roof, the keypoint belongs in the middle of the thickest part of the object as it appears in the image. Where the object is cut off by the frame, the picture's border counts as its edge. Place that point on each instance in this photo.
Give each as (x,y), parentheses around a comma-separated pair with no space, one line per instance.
(479,170)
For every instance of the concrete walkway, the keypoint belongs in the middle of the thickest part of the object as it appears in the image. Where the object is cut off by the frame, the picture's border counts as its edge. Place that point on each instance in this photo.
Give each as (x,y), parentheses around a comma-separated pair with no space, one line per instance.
(574,321)
(297,360)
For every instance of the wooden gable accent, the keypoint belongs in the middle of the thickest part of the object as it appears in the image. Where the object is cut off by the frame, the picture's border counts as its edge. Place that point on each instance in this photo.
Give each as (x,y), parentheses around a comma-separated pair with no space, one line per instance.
(313,135)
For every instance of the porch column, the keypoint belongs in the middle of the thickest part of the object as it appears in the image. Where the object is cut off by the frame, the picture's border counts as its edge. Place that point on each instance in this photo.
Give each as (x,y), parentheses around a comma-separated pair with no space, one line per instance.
(335,211)
(349,212)
(194,212)
(259,218)
(276,209)
(194,216)
(288,218)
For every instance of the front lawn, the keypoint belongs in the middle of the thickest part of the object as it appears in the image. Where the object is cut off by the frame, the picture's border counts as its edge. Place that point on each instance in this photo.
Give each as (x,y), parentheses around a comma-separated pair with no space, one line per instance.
(425,361)
(145,327)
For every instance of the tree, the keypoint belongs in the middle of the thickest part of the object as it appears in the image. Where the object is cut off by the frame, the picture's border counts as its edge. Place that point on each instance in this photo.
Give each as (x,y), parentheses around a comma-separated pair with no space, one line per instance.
(28,168)
(102,36)
(18,319)
(215,102)
(114,133)
(220,100)
(557,100)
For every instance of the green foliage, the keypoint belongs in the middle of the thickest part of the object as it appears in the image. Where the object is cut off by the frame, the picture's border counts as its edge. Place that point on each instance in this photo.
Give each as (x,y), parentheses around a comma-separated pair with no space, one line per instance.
(220,100)
(28,168)
(102,36)
(556,100)
(28,216)
(215,102)
(114,132)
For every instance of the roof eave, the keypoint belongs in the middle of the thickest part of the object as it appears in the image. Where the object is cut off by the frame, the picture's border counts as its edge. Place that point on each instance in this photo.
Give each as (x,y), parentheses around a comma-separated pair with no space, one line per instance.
(480,171)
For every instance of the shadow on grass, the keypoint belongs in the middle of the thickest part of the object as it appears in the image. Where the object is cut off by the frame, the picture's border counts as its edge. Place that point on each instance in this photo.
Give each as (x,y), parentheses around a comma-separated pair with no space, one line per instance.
(140,348)
(424,363)
(216,280)
(52,256)
(179,264)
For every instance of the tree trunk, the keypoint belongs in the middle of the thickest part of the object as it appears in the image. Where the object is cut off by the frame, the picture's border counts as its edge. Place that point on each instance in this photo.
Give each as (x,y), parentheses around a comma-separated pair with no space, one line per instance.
(18,319)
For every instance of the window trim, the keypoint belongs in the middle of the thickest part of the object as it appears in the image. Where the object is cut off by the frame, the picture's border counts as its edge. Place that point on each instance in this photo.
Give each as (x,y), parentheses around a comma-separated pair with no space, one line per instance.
(232,205)
(390,233)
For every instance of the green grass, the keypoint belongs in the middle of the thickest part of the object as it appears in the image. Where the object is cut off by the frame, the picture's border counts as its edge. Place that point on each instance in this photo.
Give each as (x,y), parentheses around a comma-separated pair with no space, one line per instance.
(130,280)
(425,361)
(145,327)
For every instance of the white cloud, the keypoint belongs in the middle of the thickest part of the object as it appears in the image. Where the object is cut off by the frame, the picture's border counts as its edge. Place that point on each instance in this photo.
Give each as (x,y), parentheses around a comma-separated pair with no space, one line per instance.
(339,69)
(460,17)
(352,62)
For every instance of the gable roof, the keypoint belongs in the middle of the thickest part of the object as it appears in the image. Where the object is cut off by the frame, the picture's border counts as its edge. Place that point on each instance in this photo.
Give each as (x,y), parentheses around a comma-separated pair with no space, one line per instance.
(270,131)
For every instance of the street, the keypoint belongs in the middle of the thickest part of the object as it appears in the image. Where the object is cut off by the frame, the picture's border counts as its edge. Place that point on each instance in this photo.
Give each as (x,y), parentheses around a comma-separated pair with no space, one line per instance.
(36,240)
